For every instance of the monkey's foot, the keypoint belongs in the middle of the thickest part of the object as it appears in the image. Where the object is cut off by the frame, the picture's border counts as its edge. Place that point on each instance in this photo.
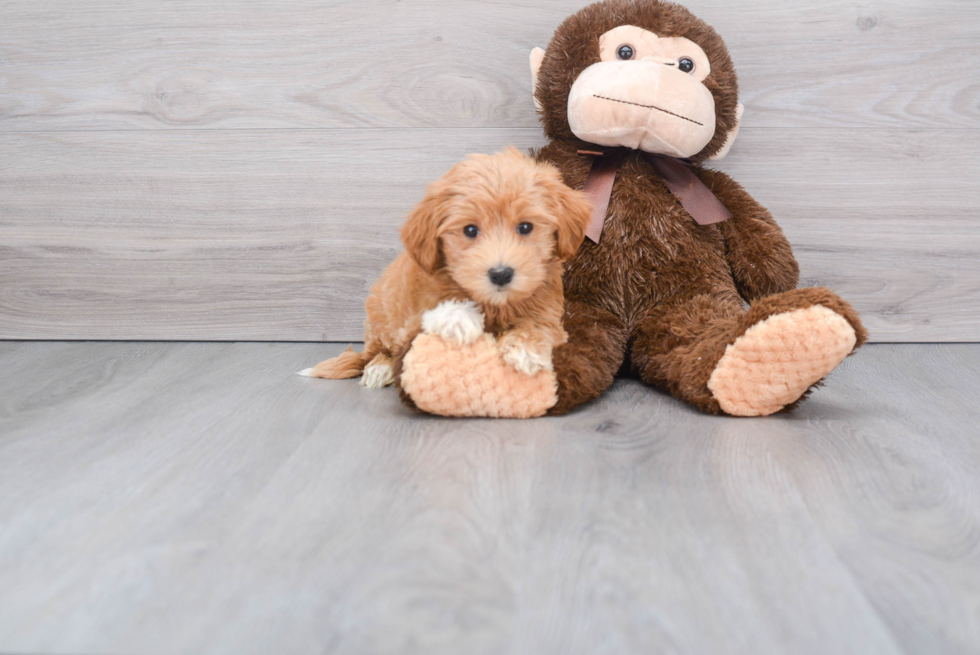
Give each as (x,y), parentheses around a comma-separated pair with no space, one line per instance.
(472,380)
(777,360)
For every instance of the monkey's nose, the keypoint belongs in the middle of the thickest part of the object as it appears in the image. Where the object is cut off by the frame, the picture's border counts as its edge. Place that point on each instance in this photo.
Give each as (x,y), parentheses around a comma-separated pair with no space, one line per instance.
(501,275)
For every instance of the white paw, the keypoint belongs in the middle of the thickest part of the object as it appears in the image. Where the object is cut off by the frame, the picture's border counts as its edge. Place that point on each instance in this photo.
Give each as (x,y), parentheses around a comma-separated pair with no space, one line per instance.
(526,361)
(459,323)
(376,376)
(306,373)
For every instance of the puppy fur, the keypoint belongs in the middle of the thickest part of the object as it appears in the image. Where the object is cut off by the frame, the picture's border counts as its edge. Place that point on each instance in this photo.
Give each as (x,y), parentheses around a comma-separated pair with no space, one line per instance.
(442,283)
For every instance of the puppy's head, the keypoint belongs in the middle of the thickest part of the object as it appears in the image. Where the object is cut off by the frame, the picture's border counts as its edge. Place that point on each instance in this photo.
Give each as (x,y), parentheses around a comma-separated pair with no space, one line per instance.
(496,224)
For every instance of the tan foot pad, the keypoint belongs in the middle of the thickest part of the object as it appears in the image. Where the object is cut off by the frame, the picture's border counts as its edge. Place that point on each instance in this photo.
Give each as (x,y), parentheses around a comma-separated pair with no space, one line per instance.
(473,380)
(778,359)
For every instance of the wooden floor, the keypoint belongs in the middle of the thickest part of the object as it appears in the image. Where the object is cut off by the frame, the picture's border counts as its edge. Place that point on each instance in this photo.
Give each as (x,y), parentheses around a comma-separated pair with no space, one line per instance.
(201,498)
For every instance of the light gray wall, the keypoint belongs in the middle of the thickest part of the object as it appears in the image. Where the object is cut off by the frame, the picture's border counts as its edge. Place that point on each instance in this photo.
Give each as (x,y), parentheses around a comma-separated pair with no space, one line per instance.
(238,170)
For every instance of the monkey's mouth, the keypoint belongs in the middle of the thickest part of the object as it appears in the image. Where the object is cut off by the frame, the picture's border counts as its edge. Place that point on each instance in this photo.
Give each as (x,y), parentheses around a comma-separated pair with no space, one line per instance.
(636,104)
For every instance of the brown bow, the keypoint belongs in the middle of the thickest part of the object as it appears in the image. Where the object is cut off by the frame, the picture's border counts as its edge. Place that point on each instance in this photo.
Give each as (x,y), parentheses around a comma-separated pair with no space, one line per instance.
(703,206)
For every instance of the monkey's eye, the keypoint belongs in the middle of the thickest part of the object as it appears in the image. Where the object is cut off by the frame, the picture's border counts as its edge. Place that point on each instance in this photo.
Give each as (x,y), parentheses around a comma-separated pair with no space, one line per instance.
(471,231)
(524,228)
(685,65)
(625,52)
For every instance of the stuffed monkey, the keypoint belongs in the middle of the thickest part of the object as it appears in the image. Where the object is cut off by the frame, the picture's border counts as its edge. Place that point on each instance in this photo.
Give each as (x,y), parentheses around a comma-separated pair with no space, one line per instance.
(634,95)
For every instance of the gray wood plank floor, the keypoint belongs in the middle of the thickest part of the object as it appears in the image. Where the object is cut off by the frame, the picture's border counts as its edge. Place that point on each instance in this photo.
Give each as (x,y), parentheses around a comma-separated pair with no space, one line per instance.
(238,170)
(190,498)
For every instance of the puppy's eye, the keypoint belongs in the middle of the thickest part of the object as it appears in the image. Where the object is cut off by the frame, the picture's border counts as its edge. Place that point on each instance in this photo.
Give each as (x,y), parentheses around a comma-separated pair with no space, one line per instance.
(625,52)
(685,65)
(524,228)
(471,231)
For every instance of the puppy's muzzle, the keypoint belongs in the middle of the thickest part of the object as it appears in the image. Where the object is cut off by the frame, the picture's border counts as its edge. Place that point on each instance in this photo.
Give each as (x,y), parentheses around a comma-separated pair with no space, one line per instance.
(501,275)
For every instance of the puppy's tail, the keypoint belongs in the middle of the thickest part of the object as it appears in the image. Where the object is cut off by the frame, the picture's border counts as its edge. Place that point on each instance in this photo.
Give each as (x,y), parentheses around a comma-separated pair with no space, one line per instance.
(348,365)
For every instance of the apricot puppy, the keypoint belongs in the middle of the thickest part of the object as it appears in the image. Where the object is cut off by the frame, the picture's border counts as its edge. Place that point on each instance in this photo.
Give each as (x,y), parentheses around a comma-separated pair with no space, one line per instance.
(484,252)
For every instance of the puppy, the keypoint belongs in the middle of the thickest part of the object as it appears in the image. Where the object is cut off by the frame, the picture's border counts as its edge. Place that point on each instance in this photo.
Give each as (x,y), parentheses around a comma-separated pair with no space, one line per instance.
(484,252)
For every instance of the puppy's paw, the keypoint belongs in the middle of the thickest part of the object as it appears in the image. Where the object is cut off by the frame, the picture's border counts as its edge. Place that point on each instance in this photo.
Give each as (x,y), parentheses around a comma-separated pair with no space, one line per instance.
(376,376)
(459,323)
(526,357)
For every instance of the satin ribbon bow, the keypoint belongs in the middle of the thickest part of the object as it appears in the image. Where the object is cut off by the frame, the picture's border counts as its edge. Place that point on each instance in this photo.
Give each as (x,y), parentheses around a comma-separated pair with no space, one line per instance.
(703,206)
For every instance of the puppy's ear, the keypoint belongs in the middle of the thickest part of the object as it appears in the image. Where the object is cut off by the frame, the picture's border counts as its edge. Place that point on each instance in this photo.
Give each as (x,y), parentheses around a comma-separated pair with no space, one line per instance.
(572,211)
(420,234)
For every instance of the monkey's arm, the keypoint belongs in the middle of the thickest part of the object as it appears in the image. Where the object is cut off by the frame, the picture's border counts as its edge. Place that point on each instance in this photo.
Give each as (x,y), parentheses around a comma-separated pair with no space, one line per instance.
(758,253)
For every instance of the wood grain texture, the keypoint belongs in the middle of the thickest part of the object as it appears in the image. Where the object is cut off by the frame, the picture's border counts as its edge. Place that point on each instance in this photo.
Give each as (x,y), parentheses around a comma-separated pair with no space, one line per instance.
(124,64)
(237,171)
(277,235)
(187,498)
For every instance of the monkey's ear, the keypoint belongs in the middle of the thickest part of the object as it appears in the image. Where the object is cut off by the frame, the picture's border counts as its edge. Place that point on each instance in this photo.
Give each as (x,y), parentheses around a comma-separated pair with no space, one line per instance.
(739,110)
(420,234)
(537,56)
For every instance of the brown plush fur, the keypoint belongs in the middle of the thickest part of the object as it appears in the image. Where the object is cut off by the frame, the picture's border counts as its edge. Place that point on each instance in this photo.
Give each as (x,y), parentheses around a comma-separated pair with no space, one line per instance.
(575,47)
(494,193)
(660,289)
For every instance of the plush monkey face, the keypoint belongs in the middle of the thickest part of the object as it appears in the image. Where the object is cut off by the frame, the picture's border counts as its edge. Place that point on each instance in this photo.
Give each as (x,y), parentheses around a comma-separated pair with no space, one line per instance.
(646,93)
(646,75)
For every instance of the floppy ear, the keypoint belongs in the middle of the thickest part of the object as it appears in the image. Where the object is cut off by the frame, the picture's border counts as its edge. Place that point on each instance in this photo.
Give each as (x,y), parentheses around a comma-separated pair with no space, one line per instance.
(572,211)
(420,234)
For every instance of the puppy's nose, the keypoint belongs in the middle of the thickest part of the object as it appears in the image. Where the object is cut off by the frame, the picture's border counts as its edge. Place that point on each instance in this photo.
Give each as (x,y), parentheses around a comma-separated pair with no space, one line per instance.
(501,275)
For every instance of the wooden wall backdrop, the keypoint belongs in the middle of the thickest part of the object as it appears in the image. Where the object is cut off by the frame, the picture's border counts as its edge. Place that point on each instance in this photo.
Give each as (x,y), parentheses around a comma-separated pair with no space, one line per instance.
(238,170)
